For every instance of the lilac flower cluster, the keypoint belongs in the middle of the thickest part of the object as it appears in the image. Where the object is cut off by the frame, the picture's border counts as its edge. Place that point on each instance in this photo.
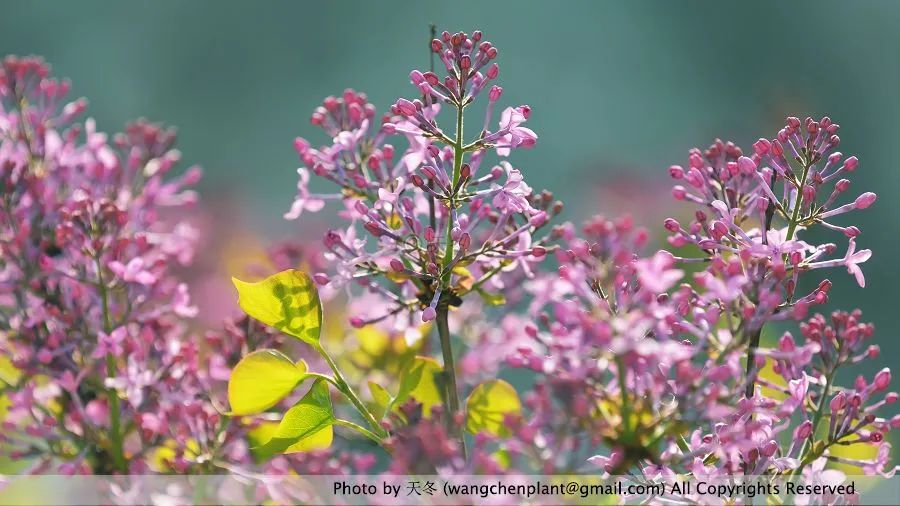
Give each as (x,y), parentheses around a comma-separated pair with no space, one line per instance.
(100,374)
(437,225)
(666,373)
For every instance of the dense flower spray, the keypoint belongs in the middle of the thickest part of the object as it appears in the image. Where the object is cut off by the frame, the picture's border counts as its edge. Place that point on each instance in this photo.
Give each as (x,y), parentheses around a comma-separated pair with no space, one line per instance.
(429,226)
(97,362)
(653,365)
(639,367)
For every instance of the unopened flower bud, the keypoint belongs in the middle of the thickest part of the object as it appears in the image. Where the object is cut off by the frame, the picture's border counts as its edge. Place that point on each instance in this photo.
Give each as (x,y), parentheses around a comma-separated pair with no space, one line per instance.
(405,107)
(865,200)
(882,379)
(495,93)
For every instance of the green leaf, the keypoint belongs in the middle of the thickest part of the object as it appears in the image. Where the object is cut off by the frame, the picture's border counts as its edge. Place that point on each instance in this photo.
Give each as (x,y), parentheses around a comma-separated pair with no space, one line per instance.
(418,381)
(488,406)
(306,426)
(493,299)
(382,399)
(8,372)
(287,301)
(261,379)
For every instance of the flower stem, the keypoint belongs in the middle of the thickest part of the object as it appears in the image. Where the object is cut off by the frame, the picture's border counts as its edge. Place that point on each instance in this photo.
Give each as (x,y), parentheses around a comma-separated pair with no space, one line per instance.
(458,152)
(450,385)
(817,418)
(347,390)
(115,422)
(362,430)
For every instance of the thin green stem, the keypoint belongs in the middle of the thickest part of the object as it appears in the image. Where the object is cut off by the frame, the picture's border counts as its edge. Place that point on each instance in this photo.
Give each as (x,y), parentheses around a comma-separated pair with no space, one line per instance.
(623,391)
(358,428)
(345,388)
(458,153)
(792,228)
(451,388)
(115,423)
(817,418)
(795,214)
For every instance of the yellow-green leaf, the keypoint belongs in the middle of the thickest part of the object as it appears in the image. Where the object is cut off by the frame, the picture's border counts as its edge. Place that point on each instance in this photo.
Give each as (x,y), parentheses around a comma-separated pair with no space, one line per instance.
(8,372)
(382,399)
(419,381)
(306,426)
(287,301)
(261,379)
(493,299)
(488,406)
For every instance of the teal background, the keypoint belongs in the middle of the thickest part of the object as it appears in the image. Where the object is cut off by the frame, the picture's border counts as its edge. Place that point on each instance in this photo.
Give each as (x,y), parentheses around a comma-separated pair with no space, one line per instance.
(619,90)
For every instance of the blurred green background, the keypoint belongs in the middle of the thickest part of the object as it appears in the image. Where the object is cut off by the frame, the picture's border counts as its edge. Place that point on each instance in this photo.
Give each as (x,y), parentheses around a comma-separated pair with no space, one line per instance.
(619,90)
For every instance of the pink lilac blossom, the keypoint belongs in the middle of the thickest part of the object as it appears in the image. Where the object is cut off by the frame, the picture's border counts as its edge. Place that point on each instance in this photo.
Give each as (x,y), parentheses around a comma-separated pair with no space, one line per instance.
(424,219)
(108,376)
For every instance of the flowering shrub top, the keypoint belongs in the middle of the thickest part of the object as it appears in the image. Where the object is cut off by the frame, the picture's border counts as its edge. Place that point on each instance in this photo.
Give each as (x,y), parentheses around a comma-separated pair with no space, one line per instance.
(653,364)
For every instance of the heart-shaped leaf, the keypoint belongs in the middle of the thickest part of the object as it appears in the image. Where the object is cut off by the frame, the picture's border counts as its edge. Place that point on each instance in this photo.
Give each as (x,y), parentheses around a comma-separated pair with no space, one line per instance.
(488,406)
(261,379)
(306,426)
(287,301)
(419,381)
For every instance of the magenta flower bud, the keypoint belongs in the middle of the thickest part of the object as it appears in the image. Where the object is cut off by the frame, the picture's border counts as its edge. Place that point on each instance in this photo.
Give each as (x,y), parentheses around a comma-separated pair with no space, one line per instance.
(842,185)
(777,148)
(465,171)
(431,78)
(361,208)
(538,219)
(321,279)
(747,165)
(803,431)
(495,93)
(809,193)
(882,379)
(786,343)
(679,192)
(837,402)
(761,146)
(769,449)
(793,122)
(429,172)
(374,229)
(676,172)
(436,46)
(672,225)
(865,200)
(834,141)
(465,63)
(465,241)
(429,314)
(45,356)
(762,203)
(405,107)
(493,71)
(357,322)
(538,251)
(851,163)
(496,172)
(417,180)
(432,268)
(397,265)
(852,231)
(416,77)
(719,230)
(891,397)
(873,351)
(835,157)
